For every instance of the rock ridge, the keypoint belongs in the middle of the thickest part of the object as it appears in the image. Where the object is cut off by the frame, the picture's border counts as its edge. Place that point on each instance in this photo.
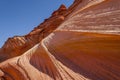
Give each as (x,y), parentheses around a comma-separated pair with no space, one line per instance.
(78,43)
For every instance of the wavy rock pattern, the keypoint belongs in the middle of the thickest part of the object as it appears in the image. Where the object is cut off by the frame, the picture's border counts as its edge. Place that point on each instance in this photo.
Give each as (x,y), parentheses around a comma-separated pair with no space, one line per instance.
(85,46)
(19,44)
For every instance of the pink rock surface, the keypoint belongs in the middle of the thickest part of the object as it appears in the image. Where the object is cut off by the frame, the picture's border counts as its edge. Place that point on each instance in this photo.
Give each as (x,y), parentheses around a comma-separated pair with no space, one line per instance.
(78,43)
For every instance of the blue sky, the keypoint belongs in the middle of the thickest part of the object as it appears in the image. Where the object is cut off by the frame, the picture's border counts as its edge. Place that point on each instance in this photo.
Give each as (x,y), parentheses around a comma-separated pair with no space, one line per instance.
(19,17)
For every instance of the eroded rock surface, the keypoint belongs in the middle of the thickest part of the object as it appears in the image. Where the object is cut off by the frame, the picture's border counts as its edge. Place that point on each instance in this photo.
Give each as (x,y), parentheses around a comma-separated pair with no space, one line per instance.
(19,44)
(82,43)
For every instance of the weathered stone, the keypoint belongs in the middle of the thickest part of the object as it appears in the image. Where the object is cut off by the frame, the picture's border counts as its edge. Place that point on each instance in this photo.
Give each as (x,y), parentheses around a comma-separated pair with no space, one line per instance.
(78,43)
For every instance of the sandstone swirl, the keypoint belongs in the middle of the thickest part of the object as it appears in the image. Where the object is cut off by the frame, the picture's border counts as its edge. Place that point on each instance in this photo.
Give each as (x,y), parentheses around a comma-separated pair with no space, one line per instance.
(78,43)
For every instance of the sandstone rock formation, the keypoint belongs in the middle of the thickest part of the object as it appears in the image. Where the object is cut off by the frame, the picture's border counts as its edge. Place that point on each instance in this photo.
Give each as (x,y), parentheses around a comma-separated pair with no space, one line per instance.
(78,43)
(19,44)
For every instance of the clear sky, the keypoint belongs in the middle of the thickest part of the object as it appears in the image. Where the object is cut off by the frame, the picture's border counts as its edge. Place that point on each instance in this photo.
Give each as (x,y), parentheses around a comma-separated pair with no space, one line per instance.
(18,17)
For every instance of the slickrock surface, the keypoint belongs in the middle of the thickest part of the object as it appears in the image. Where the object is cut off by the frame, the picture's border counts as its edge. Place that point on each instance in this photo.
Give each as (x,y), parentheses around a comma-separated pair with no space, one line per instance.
(78,43)
(19,44)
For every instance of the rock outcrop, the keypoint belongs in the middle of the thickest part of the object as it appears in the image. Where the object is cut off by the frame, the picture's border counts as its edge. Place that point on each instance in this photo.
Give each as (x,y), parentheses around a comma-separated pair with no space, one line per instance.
(78,43)
(19,44)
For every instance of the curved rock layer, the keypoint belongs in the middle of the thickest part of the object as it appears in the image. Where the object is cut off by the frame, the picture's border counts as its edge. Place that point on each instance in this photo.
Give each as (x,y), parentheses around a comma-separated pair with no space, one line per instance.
(19,44)
(85,46)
